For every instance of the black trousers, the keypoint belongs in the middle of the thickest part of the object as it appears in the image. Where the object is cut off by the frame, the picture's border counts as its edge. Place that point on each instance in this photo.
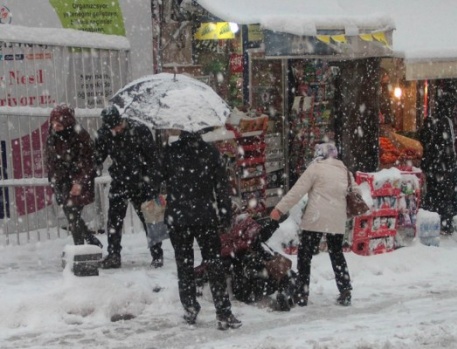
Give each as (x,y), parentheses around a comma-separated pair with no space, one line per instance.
(309,242)
(76,224)
(182,239)
(118,202)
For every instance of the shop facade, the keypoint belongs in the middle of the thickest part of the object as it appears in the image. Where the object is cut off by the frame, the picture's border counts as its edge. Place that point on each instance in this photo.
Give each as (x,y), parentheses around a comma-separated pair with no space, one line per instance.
(312,87)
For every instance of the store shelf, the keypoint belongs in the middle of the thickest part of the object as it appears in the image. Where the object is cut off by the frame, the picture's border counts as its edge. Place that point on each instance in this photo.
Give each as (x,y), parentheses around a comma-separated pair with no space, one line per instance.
(251,161)
(254,147)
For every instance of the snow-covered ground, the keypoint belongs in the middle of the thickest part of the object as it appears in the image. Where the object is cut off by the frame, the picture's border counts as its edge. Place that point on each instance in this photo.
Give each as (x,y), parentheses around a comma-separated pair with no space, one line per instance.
(402,299)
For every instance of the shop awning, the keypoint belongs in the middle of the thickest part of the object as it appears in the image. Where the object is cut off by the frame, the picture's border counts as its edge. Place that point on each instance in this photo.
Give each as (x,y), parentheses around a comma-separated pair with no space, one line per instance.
(329,44)
(431,70)
(297,28)
(425,33)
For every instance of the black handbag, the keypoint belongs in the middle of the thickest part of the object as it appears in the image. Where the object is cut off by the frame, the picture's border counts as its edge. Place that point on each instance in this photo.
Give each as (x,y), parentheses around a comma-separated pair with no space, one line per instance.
(355,205)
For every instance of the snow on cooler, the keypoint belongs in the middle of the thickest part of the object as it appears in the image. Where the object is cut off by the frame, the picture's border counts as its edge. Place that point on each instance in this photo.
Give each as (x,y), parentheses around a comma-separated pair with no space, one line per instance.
(81,260)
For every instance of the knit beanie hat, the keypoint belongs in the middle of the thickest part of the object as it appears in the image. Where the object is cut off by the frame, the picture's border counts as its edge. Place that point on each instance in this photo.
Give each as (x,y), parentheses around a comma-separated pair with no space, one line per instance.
(111,117)
(64,115)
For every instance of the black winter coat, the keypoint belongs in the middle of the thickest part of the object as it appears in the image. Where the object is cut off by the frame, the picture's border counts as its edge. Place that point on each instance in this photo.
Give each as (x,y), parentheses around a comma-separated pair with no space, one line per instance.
(197,184)
(135,159)
(439,154)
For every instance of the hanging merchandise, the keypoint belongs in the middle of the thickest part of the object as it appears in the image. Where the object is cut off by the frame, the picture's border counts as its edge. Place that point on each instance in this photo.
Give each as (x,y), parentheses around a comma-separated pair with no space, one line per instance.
(311,111)
(247,162)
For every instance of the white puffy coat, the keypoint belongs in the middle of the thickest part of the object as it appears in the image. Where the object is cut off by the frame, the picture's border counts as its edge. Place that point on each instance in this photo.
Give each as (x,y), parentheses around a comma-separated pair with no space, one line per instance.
(325,182)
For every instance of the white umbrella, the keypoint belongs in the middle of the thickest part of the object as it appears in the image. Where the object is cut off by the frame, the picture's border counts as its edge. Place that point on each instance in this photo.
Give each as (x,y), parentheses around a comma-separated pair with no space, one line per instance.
(172,101)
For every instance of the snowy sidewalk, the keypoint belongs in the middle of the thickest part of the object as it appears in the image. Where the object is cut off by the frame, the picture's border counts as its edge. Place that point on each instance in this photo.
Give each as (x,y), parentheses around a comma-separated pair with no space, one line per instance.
(402,299)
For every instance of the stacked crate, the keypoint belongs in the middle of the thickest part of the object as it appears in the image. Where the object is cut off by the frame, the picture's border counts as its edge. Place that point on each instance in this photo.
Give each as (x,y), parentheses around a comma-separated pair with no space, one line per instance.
(412,180)
(374,232)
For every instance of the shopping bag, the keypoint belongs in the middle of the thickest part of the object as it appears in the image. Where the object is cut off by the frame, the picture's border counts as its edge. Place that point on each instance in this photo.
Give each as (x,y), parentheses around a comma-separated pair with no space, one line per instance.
(278,266)
(153,212)
(355,205)
(157,232)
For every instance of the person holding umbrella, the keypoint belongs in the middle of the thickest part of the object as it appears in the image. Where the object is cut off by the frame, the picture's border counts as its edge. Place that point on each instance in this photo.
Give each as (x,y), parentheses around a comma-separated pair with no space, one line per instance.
(198,203)
(70,163)
(135,161)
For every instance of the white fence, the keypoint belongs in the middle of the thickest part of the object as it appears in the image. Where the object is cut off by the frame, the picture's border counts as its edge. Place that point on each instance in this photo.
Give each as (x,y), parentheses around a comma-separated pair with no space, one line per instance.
(40,68)
(27,209)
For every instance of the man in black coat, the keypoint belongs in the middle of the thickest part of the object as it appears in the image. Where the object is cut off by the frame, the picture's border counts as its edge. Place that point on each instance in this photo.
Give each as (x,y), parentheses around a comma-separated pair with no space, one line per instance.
(134,171)
(439,164)
(198,202)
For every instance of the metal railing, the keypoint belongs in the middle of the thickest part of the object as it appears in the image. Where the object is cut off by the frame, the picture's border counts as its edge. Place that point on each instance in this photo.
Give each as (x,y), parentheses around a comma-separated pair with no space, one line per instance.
(38,71)
(28,212)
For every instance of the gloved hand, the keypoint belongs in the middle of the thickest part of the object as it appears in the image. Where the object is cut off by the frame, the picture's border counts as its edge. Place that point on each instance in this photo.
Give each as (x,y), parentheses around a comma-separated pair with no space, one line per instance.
(275,214)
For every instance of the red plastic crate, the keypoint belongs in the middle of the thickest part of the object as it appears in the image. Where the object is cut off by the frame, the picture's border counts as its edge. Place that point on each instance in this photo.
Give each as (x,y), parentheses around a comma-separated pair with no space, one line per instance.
(372,226)
(368,247)
(414,171)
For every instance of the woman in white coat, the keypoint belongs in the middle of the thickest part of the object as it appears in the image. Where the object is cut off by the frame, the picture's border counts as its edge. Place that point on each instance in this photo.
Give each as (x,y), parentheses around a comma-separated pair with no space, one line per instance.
(326,183)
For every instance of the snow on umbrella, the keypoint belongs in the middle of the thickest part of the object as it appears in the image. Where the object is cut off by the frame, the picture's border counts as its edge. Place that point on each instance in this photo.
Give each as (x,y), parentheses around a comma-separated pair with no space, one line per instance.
(172,101)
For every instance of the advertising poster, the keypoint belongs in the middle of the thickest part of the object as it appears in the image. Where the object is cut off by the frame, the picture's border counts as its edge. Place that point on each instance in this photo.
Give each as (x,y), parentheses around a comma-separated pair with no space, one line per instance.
(115,17)
(28,163)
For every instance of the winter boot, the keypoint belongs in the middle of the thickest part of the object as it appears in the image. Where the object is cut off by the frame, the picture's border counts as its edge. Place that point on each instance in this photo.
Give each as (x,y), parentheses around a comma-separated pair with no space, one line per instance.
(225,322)
(92,240)
(344,298)
(191,313)
(157,263)
(111,261)
(282,302)
(157,256)
(301,300)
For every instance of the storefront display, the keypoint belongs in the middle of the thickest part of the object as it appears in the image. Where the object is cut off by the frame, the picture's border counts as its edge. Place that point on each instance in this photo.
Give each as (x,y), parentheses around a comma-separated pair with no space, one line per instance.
(395,201)
(398,150)
(244,151)
(266,86)
(311,111)
(375,232)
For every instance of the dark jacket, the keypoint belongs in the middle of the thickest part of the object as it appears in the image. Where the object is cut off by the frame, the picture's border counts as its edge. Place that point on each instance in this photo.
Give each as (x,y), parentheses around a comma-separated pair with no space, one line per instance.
(135,159)
(436,138)
(70,159)
(197,184)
